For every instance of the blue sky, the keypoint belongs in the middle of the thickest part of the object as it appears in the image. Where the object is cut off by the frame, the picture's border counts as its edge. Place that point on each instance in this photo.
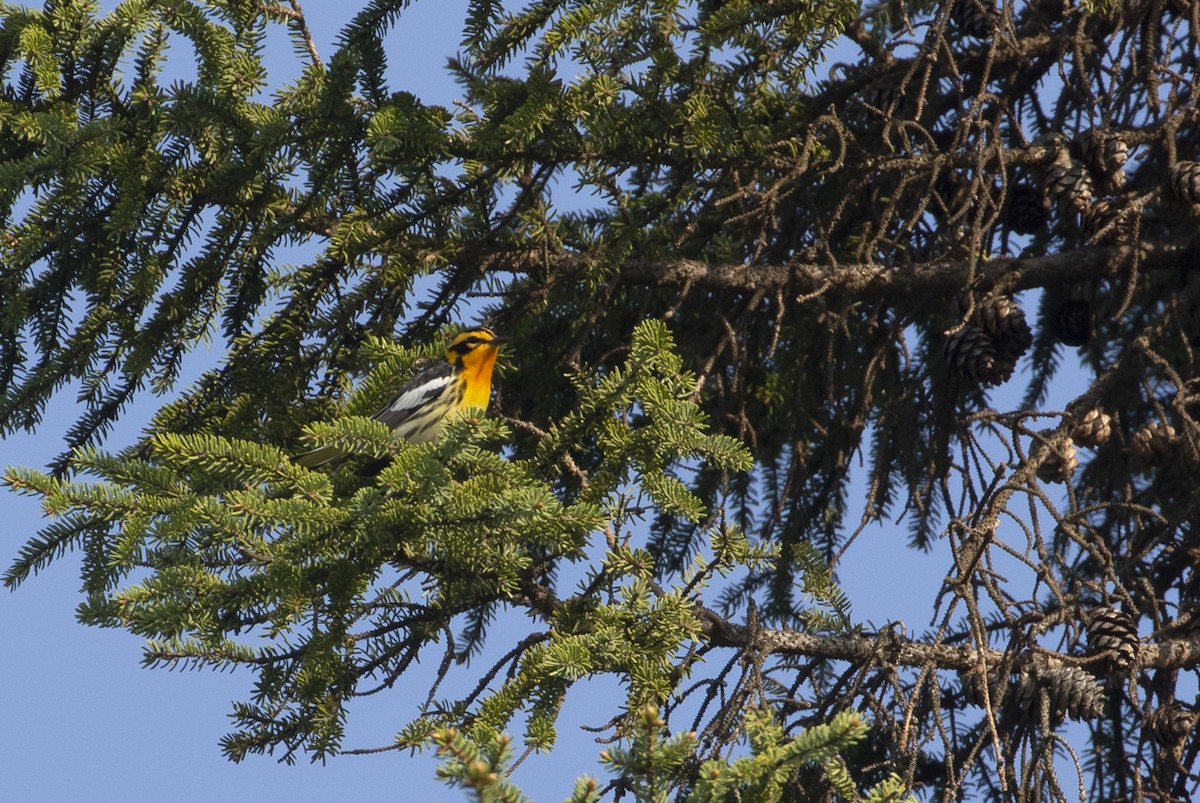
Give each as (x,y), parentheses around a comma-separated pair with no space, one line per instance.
(82,719)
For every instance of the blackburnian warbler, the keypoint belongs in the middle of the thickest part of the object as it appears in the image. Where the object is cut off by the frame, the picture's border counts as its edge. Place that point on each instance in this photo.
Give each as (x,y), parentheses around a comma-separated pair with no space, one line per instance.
(416,413)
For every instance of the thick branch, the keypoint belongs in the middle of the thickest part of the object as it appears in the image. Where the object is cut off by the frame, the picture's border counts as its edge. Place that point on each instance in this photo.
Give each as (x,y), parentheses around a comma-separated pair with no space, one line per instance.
(1014,273)
(890,649)
(867,280)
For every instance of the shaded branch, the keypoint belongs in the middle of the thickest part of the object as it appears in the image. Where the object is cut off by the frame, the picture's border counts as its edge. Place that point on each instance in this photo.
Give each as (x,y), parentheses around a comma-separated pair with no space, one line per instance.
(891,649)
(1007,274)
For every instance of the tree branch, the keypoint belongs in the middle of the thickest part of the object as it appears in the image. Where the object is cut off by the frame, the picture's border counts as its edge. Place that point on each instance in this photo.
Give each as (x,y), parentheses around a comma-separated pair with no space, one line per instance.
(892,649)
(1007,274)
(1013,273)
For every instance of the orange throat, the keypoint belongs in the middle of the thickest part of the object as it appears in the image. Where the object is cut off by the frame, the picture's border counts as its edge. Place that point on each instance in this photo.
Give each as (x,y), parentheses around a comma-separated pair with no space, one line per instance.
(478,368)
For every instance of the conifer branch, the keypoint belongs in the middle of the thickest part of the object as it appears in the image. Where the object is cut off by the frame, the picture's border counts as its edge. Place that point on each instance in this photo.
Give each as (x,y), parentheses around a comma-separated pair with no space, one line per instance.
(873,281)
(295,17)
(886,649)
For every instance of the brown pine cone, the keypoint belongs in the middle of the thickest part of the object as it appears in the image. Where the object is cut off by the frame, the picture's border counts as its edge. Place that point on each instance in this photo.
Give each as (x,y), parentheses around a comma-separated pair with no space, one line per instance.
(1113,633)
(1105,154)
(975,18)
(1094,429)
(1171,723)
(1107,224)
(1153,443)
(972,353)
(972,688)
(1002,319)
(1059,464)
(1026,697)
(1067,181)
(1184,179)
(1074,693)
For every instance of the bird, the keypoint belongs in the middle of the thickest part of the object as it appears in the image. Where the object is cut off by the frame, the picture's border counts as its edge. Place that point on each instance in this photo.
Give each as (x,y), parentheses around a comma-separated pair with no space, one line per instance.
(462,380)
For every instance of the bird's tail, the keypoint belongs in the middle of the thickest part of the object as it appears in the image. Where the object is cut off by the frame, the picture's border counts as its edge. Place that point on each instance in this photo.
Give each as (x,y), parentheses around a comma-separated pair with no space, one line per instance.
(318,457)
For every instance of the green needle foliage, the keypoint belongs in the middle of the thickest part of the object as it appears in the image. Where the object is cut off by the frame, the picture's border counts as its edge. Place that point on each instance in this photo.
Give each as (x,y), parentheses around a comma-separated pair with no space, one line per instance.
(652,766)
(777,279)
(223,553)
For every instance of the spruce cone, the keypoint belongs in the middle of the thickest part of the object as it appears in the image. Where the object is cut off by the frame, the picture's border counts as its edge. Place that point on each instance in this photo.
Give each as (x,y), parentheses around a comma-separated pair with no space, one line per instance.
(1107,224)
(1067,181)
(975,18)
(1059,464)
(1027,695)
(1073,693)
(971,353)
(1170,724)
(1105,154)
(1153,443)
(972,688)
(1028,210)
(1073,322)
(1003,367)
(1002,319)
(1008,351)
(1094,429)
(1113,633)
(1184,178)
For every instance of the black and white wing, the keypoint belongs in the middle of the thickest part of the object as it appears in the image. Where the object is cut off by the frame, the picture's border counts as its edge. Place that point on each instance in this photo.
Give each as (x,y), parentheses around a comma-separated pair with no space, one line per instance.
(415,413)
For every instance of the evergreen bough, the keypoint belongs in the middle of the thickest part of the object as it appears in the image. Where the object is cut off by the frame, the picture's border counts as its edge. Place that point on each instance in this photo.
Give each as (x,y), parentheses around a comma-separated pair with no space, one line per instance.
(820,241)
